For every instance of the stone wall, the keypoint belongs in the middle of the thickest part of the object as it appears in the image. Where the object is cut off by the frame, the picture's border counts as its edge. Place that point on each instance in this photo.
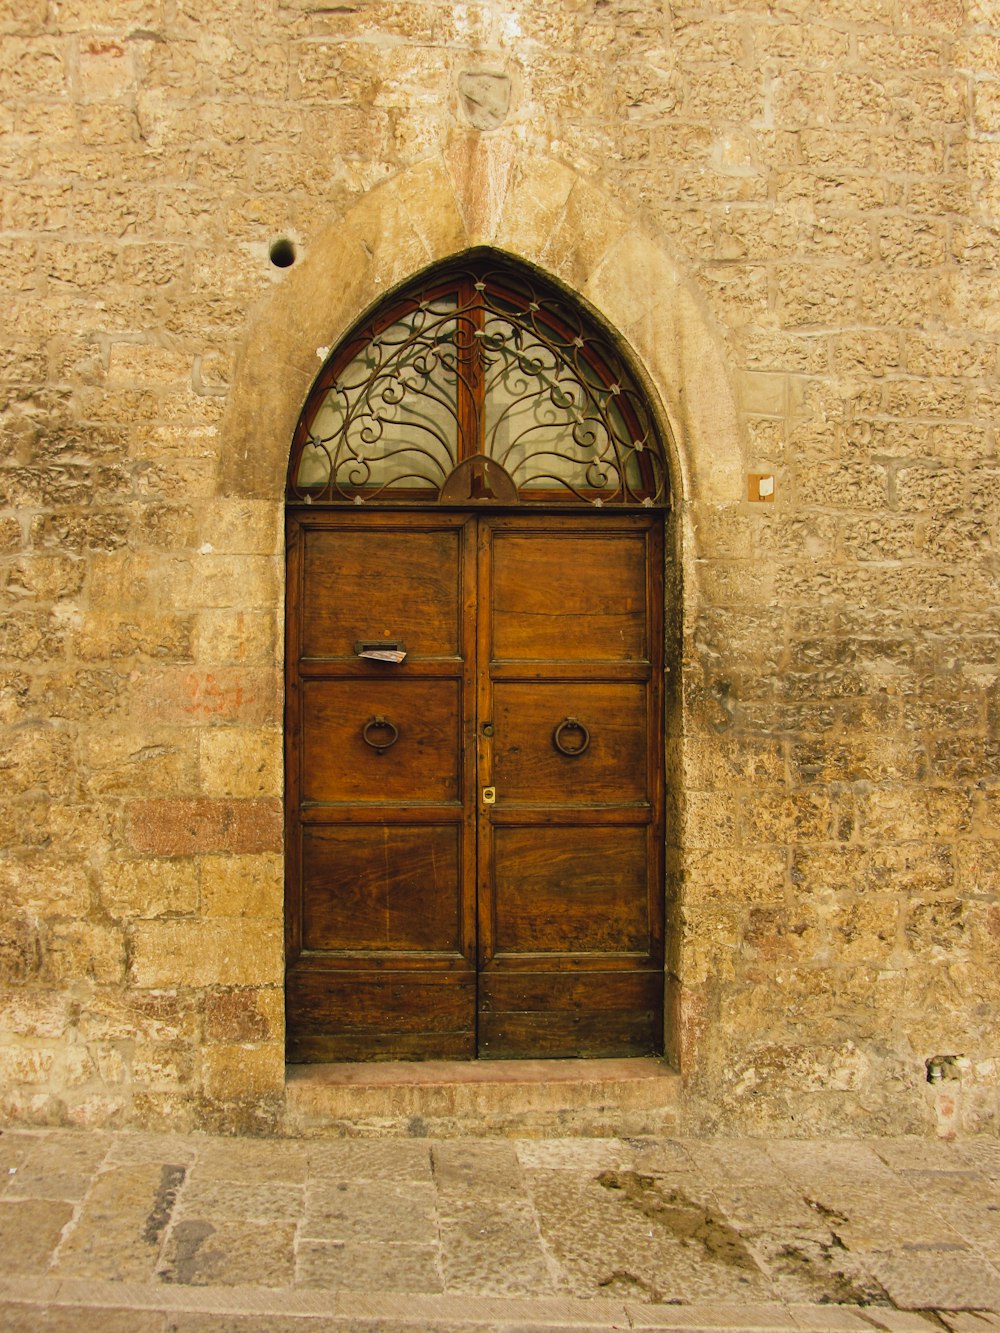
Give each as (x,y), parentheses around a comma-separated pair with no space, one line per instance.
(789,210)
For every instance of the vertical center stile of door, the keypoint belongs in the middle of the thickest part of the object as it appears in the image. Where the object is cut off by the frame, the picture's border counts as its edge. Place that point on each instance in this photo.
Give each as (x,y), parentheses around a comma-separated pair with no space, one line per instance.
(484,751)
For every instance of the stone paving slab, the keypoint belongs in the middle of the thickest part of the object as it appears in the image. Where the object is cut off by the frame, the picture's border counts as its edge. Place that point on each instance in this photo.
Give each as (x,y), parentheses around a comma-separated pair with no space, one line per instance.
(186,1234)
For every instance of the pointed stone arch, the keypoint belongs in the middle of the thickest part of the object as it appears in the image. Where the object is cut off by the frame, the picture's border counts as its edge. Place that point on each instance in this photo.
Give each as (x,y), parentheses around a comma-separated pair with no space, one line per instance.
(543,214)
(540,212)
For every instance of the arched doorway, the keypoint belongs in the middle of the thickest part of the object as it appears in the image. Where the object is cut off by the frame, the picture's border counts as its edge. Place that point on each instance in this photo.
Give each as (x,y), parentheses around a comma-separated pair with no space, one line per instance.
(474,681)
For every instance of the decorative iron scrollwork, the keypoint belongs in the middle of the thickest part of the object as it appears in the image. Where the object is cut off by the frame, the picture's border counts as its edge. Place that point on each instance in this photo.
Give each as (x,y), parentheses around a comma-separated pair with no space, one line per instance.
(483,361)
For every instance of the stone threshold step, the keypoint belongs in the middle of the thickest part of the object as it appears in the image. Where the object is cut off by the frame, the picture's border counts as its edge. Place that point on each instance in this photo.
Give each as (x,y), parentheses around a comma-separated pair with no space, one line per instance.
(503,1098)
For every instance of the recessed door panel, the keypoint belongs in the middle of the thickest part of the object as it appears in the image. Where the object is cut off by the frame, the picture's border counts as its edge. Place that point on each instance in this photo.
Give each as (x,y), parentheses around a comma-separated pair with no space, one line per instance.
(571,890)
(601,726)
(590,607)
(587,1014)
(382,887)
(384,1014)
(401,585)
(383,739)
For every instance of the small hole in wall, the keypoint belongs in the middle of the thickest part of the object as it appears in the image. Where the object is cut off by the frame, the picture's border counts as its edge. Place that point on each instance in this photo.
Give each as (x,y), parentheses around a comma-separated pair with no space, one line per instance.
(282,253)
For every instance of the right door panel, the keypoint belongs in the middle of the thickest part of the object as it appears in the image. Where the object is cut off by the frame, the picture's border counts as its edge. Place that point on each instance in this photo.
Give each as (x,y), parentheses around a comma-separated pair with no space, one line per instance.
(570,866)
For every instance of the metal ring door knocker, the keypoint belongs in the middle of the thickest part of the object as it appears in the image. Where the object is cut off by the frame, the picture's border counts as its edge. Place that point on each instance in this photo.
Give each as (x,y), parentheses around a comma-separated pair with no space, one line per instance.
(570,724)
(379,723)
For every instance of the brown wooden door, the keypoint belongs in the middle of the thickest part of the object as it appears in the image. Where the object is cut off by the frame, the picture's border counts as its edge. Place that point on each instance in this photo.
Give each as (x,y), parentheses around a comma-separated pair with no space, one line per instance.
(474,834)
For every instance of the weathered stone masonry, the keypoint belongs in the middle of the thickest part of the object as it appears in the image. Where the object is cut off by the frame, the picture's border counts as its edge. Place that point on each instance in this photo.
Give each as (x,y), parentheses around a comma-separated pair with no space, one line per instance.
(789,211)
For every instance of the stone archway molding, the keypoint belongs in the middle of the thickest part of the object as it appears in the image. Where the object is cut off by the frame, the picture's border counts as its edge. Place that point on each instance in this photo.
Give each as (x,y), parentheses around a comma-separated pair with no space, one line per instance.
(479,193)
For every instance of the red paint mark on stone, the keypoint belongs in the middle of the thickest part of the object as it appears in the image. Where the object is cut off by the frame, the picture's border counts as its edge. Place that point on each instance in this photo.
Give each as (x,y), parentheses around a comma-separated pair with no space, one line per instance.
(208,697)
(96,48)
(190,827)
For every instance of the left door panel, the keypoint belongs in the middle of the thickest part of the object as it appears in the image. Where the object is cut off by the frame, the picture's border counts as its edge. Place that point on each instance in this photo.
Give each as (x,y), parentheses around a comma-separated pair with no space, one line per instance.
(380,914)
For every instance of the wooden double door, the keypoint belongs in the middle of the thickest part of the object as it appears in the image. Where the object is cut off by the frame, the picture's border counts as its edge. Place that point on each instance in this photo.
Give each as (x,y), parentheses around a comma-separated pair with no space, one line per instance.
(474,831)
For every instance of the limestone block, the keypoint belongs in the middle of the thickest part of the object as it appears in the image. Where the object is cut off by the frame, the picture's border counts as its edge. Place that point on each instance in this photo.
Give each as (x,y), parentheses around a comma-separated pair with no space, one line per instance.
(975,244)
(799,817)
(939,927)
(37,884)
(979,867)
(838,238)
(240,762)
(864,932)
(78,15)
(112,1014)
(344,72)
(931,100)
(78,950)
(80,694)
(953,539)
(987,808)
(20,947)
(24,19)
(712,765)
(150,888)
(73,531)
(103,124)
(239,1071)
(78,263)
(186,695)
(916,814)
(242,886)
(108,637)
(811,43)
(777,934)
(33,67)
(187,827)
(243,527)
(25,1064)
(206,953)
(912,242)
(810,1068)
(14,690)
(224,636)
(165,527)
(903,51)
(863,350)
(708,947)
(181,441)
(843,486)
(924,487)
(739,98)
(244,1015)
(163,1066)
(32,1013)
(750,640)
(39,758)
(755,874)
(798,98)
(710,819)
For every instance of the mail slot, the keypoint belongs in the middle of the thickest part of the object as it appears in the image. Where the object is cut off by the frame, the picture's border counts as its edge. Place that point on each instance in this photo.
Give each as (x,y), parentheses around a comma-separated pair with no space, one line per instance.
(380,650)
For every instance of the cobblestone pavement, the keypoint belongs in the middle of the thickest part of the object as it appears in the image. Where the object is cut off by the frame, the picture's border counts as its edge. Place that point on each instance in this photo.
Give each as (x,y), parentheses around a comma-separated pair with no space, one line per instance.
(150,1233)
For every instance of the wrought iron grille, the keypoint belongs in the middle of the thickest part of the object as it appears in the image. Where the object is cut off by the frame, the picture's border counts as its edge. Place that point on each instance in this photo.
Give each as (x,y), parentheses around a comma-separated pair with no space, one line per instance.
(481,384)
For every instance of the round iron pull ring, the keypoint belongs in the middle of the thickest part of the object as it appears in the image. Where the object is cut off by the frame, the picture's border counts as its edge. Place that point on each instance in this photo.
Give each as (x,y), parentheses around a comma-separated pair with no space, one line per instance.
(379,723)
(570,724)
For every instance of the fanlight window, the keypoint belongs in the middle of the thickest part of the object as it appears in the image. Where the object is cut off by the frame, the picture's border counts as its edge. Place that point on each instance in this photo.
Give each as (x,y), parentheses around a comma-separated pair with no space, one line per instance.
(478,385)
